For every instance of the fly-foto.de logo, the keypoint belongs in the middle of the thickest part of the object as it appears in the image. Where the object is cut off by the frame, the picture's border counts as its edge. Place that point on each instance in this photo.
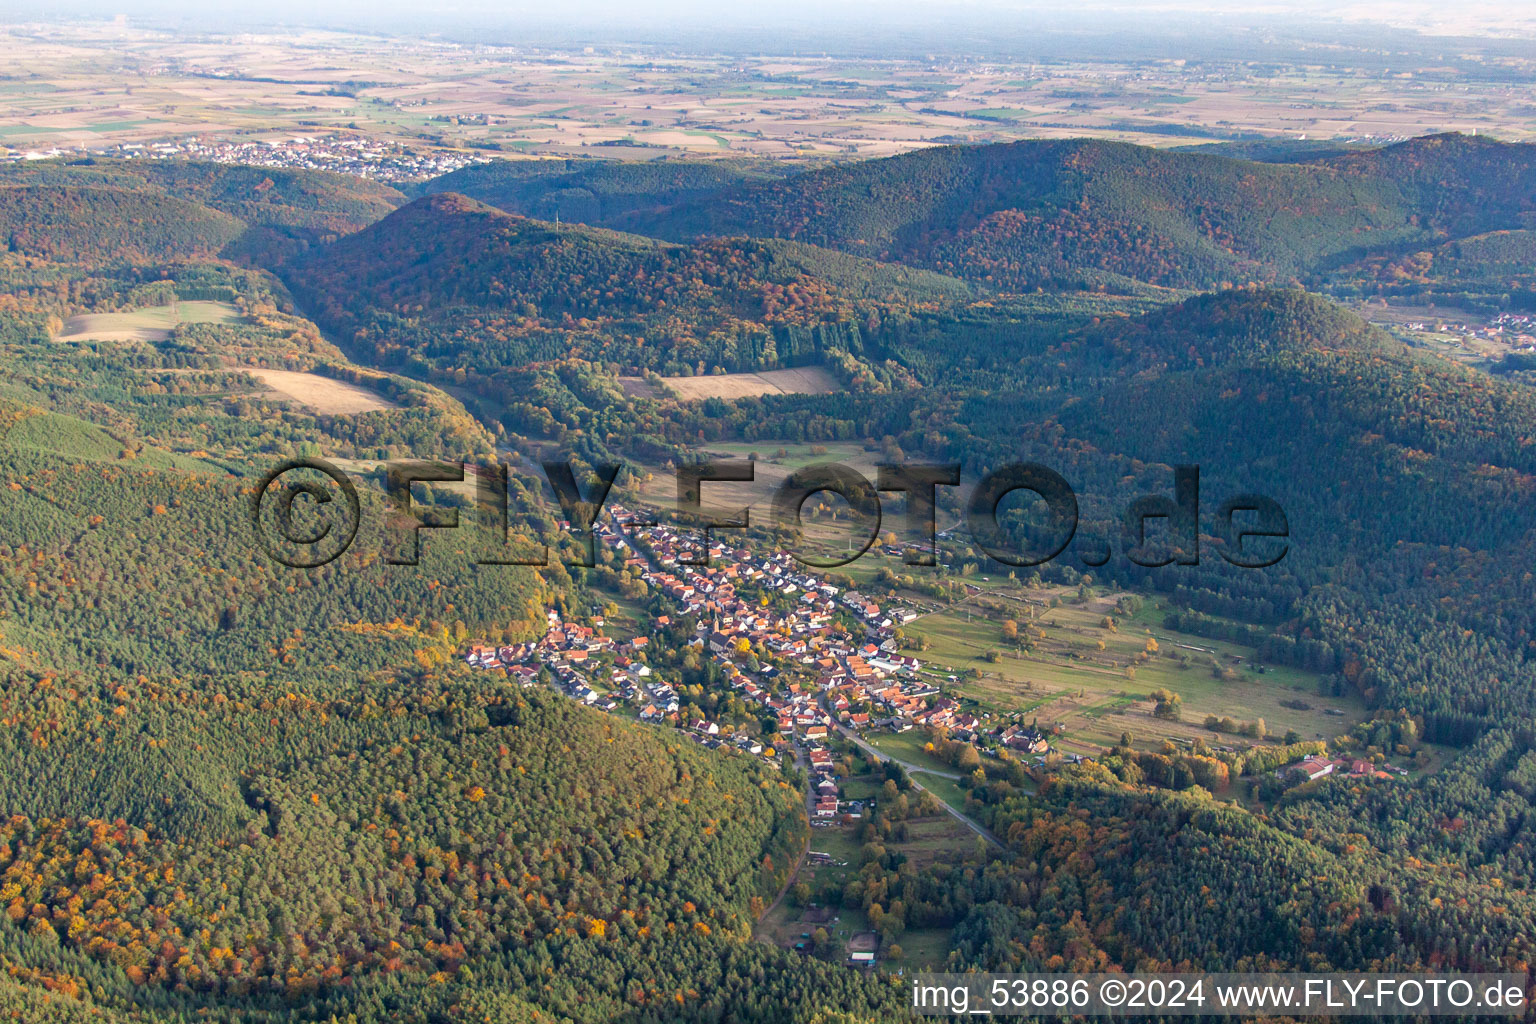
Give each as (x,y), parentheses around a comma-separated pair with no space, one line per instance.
(306,513)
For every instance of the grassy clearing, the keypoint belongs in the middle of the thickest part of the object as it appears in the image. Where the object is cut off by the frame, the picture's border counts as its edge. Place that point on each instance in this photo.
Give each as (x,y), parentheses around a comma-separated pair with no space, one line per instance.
(928,771)
(947,790)
(924,950)
(908,747)
(627,618)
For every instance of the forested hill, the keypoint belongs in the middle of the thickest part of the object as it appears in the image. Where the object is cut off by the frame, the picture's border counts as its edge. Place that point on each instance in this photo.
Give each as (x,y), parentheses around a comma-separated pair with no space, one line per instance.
(274,196)
(596,191)
(69,223)
(1457,185)
(1218,328)
(1070,213)
(112,211)
(1379,452)
(463,284)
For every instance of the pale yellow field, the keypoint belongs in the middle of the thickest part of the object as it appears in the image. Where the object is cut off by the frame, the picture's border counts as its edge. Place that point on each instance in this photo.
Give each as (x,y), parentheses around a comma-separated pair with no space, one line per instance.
(806,380)
(320,394)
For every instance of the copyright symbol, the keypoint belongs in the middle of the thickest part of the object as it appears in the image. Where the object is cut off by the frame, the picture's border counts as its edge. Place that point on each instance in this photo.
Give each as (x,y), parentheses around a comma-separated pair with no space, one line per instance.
(296,516)
(1112,992)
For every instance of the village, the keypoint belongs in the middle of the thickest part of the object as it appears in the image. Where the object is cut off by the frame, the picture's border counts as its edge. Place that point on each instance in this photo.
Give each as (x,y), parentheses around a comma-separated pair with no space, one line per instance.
(1518,330)
(816,661)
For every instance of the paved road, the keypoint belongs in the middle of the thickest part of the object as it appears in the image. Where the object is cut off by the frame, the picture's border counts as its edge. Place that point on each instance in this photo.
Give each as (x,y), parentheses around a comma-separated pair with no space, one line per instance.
(881,756)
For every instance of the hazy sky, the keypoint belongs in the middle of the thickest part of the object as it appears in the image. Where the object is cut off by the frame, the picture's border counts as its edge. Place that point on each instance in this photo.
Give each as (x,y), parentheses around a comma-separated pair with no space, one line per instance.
(1458,17)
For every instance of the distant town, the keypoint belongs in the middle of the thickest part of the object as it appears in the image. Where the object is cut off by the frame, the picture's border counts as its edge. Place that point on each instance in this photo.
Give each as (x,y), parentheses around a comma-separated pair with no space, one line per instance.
(358,155)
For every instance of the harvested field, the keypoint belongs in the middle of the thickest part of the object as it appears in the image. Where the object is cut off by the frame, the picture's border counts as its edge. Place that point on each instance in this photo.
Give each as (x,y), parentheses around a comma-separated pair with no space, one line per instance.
(320,394)
(805,380)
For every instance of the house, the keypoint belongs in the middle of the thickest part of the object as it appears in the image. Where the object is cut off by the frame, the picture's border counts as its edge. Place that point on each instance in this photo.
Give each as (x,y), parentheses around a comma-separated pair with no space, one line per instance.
(1031,742)
(1314,767)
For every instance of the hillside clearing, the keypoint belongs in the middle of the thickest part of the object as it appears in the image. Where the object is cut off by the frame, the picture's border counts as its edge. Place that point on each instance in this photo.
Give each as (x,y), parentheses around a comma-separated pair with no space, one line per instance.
(804,380)
(320,394)
(151,323)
